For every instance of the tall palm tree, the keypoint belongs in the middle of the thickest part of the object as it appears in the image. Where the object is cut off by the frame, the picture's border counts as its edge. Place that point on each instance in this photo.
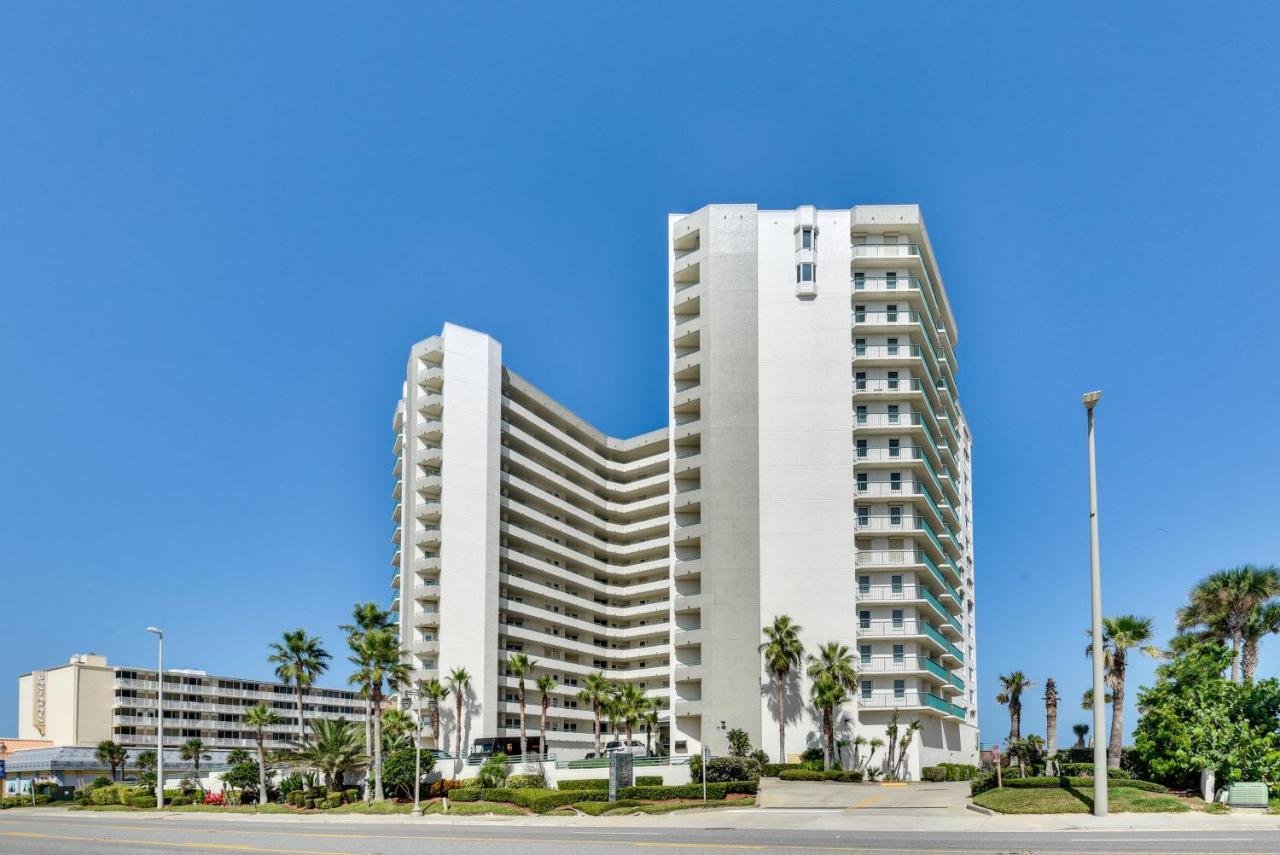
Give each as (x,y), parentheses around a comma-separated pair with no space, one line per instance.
(111,754)
(1086,700)
(783,652)
(365,618)
(193,750)
(1013,685)
(332,749)
(595,691)
(1050,721)
(834,678)
(459,682)
(379,668)
(629,704)
(520,666)
(1264,621)
(260,718)
(1222,603)
(435,692)
(546,685)
(1081,731)
(650,719)
(1120,634)
(299,659)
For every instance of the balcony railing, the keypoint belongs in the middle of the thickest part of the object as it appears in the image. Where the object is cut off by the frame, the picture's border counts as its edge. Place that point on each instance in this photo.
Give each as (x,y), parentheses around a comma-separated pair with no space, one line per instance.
(886,250)
(936,636)
(906,700)
(884,283)
(882,317)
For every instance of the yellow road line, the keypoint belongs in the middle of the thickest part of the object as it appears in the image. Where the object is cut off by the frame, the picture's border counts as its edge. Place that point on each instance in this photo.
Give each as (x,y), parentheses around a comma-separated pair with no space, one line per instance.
(864,802)
(219,847)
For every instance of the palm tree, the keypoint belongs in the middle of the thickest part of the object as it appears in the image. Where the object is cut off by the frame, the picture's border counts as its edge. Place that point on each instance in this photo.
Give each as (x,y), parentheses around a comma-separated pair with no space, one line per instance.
(260,718)
(238,756)
(546,685)
(366,617)
(459,682)
(783,652)
(1014,684)
(379,668)
(1120,634)
(859,742)
(903,744)
(1081,731)
(146,761)
(874,743)
(520,666)
(834,678)
(629,704)
(1086,700)
(397,729)
(435,692)
(1223,603)
(299,659)
(595,691)
(193,750)
(650,719)
(111,754)
(1050,722)
(1263,621)
(333,749)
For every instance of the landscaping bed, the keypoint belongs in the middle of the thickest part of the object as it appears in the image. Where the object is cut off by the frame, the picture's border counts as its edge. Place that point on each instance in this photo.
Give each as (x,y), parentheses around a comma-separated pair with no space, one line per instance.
(1075,795)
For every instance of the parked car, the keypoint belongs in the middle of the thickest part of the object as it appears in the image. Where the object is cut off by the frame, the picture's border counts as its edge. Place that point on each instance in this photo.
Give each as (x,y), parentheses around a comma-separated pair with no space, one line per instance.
(636,747)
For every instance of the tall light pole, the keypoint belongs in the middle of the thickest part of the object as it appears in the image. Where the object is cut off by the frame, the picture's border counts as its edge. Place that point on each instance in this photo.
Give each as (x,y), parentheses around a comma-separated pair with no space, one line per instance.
(1099,691)
(416,694)
(159,634)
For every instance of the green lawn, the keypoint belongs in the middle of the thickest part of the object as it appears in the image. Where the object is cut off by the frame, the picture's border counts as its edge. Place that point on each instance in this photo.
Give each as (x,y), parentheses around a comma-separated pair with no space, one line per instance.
(1074,800)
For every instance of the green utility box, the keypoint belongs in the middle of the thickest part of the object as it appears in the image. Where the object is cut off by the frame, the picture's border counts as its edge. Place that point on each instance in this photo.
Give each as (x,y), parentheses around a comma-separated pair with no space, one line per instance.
(1247,794)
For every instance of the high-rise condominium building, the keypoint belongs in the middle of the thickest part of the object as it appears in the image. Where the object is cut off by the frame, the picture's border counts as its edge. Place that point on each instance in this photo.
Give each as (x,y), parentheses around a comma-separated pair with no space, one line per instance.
(816,465)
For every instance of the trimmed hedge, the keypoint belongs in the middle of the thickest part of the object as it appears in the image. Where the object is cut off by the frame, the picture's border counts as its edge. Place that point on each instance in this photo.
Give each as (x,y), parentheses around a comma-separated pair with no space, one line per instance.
(1123,783)
(141,801)
(715,790)
(538,801)
(1085,770)
(773,770)
(525,782)
(603,783)
(725,769)
(949,772)
(850,777)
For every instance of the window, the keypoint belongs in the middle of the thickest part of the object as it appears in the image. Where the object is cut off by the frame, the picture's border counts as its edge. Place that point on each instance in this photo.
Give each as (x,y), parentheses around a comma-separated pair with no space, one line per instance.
(895,482)
(860,381)
(897,653)
(895,515)
(806,238)
(859,281)
(864,620)
(899,688)
(897,618)
(891,280)
(864,584)
(895,448)
(891,313)
(893,414)
(862,482)
(860,314)
(895,584)
(892,346)
(805,271)
(862,414)
(860,347)
(893,381)
(865,654)
(866,690)
(864,517)
(862,448)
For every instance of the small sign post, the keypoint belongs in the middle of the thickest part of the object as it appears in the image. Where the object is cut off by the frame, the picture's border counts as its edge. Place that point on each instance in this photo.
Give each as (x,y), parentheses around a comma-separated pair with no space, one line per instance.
(995,755)
(706,761)
(620,773)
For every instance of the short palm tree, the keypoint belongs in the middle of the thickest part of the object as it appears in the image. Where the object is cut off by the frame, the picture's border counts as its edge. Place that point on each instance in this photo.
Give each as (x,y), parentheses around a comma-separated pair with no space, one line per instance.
(1082,732)
(1013,685)
(834,679)
(519,665)
(629,705)
(1120,634)
(1050,722)
(398,728)
(379,669)
(782,652)
(435,692)
(875,743)
(459,683)
(332,749)
(546,685)
(1086,699)
(238,756)
(193,750)
(111,754)
(260,718)
(650,719)
(365,618)
(596,690)
(1222,604)
(1264,621)
(299,659)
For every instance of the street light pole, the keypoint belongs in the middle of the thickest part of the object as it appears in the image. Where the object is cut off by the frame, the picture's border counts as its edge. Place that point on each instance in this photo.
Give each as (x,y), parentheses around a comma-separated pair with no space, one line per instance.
(417,756)
(159,634)
(1099,691)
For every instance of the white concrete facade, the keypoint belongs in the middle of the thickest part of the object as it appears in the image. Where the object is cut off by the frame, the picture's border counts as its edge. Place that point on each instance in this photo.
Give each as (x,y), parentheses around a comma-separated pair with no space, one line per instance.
(816,464)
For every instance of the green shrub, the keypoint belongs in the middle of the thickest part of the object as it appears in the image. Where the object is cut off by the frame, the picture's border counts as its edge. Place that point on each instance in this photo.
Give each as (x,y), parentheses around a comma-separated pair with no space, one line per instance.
(351,794)
(725,769)
(297,798)
(538,801)
(1085,770)
(648,781)
(959,771)
(114,794)
(818,775)
(182,800)
(101,781)
(717,790)
(333,800)
(773,770)
(587,784)
(141,801)
(526,782)
(597,808)
(933,773)
(1080,783)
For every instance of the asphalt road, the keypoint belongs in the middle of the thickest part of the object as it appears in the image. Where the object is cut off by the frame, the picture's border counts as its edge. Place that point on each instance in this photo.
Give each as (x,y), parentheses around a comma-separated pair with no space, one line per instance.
(79,834)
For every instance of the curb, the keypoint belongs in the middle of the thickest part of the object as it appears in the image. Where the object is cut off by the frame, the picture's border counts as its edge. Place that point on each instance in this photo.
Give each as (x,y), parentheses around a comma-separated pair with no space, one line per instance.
(978,809)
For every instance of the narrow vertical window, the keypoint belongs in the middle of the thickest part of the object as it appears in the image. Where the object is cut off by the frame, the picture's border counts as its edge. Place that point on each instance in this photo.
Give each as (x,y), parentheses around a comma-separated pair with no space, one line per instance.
(862,482)
(891,313)
(862,448)
(860,314)
(897,618)
(864,620)
(893,347)
(893,381)
(895,482)
(891,280)
(865,655)
(859,281)
(864,584)
(899,688)
(898,653)
(895,447)
(866,690)
(862,414)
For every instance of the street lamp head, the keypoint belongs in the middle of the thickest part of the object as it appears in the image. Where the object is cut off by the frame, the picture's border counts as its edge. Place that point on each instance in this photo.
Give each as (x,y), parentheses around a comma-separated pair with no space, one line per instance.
(155,630)
(1091,399)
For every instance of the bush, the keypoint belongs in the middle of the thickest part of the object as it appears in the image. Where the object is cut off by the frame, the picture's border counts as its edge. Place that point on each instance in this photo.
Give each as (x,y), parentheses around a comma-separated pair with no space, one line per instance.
(101,781)
(351,794)
(493,772)
(538,801)
(397,771)
(1085,770)
(297,798)
(725,769)
(141,801)
(443,787)
(933,773)
(717,790)
(526,782)
(1080,783)
(802,774)
(113,794)
(585,784)
(959,771)
(333,800)
(773,770)
(182,800)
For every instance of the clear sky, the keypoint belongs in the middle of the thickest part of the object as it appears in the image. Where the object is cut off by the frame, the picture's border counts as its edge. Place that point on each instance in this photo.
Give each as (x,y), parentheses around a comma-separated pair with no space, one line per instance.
(223,225)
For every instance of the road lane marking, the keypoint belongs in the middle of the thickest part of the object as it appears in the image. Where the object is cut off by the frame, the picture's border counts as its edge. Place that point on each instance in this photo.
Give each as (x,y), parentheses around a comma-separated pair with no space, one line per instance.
(864,802)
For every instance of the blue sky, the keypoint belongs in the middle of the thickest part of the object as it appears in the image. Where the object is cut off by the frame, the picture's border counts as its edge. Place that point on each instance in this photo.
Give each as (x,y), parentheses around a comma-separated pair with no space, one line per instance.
(221,227)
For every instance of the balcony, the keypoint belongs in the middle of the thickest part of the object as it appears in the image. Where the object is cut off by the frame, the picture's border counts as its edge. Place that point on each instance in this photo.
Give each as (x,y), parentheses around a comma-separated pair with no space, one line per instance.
(431,456)
(431,377)
(431,404)
(906,701)
(885,285)
(948,649)
(877,251)
(430,430)
(395,580)
(427,536)
(428,485)
(907,594)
